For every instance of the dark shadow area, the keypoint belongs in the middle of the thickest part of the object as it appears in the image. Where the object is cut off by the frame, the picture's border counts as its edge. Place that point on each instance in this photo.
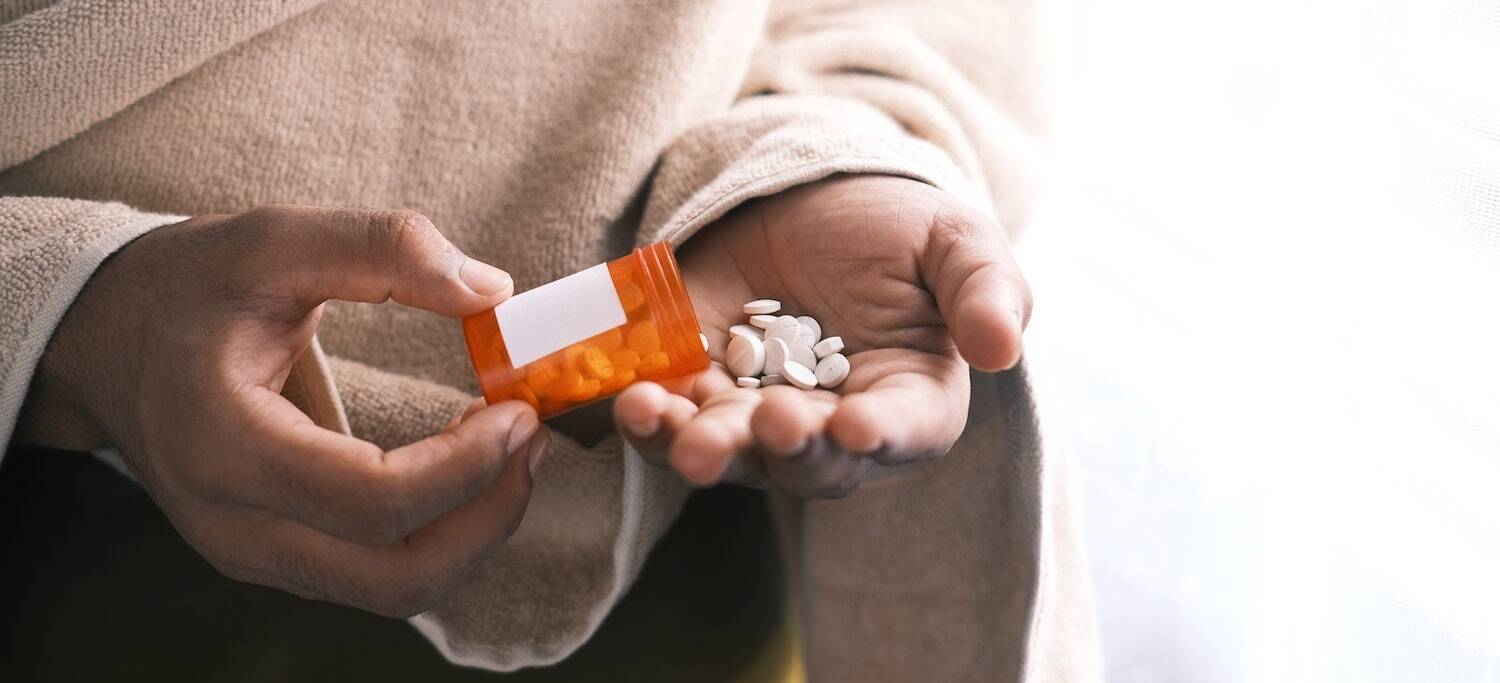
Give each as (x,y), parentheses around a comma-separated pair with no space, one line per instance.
(96,585)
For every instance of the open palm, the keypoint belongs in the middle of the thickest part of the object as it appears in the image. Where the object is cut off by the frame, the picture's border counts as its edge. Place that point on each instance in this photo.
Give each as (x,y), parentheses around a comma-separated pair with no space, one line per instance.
(919,286)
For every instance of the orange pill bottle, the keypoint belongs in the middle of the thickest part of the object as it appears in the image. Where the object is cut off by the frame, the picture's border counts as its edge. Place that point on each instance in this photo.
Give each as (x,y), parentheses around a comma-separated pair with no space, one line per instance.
(588,335)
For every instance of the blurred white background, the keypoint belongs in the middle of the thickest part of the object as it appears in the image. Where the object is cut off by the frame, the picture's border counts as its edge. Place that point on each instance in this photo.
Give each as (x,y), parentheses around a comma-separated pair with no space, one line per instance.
(1268,293)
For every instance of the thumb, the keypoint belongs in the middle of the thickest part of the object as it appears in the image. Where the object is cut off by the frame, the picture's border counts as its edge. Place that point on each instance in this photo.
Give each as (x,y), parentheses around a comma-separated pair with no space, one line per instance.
(984,299)
(374,256)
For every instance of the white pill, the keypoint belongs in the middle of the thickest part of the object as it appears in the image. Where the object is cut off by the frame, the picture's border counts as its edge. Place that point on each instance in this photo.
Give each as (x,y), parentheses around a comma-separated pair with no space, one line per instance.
(777,353)
(783,321)
(748,382)
(827,346)
(785,328)
(811,323)
(703,338)
(745,356)
(769,380)
(799,375)
(804,355)
(805,336)
(832,370)
(762,321)
(746,330)
(762,307)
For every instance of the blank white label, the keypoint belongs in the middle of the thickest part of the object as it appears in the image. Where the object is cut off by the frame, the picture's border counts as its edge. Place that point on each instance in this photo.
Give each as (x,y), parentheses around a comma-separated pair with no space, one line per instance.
(540,321)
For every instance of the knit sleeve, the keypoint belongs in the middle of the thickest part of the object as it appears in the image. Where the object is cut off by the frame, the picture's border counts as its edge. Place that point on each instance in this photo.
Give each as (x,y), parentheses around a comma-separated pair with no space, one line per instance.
(48,249)
(926,90)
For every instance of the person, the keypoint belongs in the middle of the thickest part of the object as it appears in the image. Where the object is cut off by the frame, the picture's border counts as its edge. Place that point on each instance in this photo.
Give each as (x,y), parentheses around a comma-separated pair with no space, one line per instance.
(179,257)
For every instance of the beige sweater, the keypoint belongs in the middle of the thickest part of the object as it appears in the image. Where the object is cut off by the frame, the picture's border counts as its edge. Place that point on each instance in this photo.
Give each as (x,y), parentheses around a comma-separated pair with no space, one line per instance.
(545,136)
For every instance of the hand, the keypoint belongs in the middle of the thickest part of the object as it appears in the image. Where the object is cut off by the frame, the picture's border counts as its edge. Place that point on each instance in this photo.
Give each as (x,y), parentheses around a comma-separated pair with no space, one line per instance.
(175,353)
(915,283)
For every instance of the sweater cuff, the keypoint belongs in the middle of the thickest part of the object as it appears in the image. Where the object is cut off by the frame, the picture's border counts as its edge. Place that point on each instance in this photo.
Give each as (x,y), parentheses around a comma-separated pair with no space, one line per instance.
(53,248)
(772,143)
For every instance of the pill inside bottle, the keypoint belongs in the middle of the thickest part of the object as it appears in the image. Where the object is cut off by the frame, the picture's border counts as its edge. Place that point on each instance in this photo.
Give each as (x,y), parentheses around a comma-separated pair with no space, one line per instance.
(588,335)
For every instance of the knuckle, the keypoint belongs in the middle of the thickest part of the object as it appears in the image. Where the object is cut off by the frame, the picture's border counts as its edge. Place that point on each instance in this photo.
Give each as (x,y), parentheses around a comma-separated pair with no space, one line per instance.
(958,225)
(267,221)
(400,231)
(264,214)
(257,235)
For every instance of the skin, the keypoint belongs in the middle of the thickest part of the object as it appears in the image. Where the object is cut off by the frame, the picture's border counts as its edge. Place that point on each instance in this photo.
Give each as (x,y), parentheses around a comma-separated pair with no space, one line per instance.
(176,350)
(920,287)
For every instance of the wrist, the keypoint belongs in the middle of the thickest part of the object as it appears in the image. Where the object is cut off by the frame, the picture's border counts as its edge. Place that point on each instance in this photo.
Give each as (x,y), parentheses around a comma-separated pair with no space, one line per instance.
(54,413)
(73,382)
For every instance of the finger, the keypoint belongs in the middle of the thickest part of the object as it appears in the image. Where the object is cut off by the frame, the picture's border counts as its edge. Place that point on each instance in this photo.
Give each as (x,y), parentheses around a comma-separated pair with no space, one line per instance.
(474,406)
(979,288)
(700,386)
(913,408)
(336,483)
(799,458)
(709,383)
(396,580)
(715,444)
(649,417)
(374,256)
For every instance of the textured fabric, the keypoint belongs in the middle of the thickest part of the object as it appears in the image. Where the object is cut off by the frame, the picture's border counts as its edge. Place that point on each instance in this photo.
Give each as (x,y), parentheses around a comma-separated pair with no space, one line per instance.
(545,137)
(48,250)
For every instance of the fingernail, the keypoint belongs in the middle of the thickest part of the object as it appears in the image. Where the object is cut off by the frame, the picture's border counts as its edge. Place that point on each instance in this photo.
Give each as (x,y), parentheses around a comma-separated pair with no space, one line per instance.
(524,427)
(646,431)
(537,452)
(484,279)
(795,448)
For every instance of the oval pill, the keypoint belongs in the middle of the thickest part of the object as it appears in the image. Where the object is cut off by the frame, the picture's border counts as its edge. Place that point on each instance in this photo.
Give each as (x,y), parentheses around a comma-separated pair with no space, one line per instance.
(748,382)
(624,360)
(803,354)
(562,388)
(617,382)
(654,363)
(762,321)
(777,354)
(703,338)
(596,364)
(587,389)
(832,370)
(643,338)
(812,323)
(573,357)
(745,356)
(784,321)
(631,296)
(827,346)
(799,375)
(538,376)
(610,341)
(745,330)
(806,336)
(785,328)
(762,307)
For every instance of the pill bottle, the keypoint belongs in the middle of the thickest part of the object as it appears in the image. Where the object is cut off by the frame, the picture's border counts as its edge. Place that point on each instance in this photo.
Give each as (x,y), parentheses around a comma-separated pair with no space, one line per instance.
(588,335)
